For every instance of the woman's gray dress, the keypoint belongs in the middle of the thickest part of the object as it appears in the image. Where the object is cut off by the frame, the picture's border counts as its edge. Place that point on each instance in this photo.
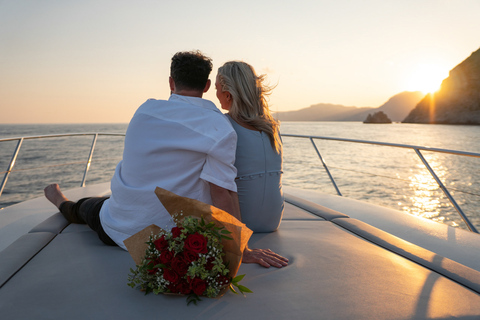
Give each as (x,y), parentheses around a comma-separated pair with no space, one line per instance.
(259,180)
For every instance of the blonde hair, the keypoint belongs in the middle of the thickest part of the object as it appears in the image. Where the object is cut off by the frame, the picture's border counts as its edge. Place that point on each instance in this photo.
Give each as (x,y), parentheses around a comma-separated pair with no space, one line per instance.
(249,103)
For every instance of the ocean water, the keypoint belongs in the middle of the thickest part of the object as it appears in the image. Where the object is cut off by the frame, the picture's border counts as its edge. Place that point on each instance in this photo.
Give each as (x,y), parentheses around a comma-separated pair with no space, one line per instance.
(386,176)
(61,160)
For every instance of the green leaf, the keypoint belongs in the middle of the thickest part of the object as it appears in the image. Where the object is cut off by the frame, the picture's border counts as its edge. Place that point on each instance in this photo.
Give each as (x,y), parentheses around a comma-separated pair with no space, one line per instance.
(210,225)
(193,298)
(225,231)
(244,289)
(233,289)
(238,278)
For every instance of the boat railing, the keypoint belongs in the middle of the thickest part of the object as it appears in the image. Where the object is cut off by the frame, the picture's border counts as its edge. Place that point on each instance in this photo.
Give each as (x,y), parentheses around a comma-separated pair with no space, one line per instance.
(417,150)
(20,142)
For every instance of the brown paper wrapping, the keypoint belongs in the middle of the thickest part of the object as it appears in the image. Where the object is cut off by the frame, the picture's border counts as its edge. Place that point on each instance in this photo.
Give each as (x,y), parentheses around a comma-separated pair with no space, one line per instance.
(136,244)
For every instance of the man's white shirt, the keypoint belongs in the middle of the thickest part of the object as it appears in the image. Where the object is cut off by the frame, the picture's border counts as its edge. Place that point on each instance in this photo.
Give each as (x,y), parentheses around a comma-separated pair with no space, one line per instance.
(181,145)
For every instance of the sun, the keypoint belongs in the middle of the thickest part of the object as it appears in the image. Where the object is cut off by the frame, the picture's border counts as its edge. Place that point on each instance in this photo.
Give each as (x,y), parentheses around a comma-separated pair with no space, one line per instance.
(427,78)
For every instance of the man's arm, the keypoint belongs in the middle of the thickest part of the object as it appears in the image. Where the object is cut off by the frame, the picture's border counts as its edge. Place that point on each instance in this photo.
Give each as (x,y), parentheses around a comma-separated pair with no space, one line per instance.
(228,201)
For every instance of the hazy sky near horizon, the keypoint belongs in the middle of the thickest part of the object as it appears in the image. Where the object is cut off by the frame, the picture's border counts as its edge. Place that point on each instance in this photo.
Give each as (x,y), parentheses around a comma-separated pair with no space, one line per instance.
(98,60)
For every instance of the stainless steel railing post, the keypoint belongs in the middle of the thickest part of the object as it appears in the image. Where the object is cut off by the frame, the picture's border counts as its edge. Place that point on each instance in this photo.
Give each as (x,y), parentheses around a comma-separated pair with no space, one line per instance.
(417,149)
(325,166)
(445,191)
(21,139)
(87,167)
(10,166)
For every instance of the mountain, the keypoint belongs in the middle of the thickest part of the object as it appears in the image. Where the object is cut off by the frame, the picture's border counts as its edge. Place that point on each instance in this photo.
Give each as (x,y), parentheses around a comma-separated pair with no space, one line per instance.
(322,112)
(457,101)
(397,108)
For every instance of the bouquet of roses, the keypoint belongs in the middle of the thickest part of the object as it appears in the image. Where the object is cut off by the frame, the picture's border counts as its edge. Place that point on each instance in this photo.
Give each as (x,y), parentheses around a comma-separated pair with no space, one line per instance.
(198,257)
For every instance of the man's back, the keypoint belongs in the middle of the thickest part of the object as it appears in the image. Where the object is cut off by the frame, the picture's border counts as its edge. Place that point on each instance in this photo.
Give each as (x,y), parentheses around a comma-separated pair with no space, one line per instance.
(180,145)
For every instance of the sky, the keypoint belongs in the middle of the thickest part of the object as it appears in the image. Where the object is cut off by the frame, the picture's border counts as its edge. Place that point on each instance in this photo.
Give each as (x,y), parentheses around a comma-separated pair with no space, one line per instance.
(97,61)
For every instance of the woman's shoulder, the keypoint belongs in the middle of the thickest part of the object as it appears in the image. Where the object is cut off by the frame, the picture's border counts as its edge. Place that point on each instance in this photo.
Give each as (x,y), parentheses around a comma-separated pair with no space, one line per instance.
(239,124)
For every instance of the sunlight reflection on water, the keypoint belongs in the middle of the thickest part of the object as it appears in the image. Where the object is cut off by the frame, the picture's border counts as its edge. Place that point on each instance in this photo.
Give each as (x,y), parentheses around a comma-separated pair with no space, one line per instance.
(424,201)
(387,176)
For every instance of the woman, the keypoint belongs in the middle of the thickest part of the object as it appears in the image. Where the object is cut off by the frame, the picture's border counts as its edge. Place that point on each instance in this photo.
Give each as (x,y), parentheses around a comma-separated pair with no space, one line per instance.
(259,147)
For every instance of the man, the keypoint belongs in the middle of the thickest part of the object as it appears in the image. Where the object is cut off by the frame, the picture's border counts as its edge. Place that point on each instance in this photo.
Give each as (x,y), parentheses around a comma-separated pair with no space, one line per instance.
(184,145)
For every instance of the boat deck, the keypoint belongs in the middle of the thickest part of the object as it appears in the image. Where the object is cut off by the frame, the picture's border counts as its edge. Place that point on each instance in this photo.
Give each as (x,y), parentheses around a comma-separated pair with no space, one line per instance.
(340,268)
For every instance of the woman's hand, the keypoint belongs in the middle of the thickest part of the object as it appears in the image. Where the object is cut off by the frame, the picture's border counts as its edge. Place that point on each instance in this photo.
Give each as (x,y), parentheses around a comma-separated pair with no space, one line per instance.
(264,257)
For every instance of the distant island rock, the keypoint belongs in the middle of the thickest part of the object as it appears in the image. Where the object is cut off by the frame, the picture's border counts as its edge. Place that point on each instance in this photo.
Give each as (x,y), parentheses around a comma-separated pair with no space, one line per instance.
(378,117)
(457,101)
(397,108)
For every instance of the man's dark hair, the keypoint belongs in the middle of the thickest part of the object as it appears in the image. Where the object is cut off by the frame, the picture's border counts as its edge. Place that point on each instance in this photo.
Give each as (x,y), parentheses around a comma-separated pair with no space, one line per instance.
(190,70)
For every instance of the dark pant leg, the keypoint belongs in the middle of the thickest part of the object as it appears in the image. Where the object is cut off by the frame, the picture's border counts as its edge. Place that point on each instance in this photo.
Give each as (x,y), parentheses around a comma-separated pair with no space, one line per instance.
(69,210)
(87,211)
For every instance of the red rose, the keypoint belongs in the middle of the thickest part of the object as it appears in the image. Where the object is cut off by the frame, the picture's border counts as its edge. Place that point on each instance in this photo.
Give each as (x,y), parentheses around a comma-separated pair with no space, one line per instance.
(222,280)
(150,267)
(198,286)
(209,265)
(181,287)
(176,232)
(166,257)
(161,243)
(170,275)
(179,265)
(196,243)
(189,256)
(173,288)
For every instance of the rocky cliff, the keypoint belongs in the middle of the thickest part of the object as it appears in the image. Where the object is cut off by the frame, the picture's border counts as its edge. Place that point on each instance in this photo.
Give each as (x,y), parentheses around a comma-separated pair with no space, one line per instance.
(457,101)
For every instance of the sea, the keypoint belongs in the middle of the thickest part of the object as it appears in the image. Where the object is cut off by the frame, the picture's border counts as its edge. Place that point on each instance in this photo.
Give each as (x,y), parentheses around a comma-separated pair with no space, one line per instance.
(386,176)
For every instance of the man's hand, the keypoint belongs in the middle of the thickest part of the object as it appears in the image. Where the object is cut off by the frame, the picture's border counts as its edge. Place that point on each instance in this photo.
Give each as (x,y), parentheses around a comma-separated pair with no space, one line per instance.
(264,257)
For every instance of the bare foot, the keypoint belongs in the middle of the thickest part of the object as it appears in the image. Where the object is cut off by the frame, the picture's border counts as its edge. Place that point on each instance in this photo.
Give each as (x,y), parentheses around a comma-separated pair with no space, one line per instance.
(54,195)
